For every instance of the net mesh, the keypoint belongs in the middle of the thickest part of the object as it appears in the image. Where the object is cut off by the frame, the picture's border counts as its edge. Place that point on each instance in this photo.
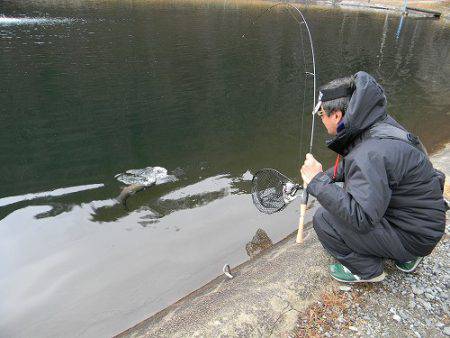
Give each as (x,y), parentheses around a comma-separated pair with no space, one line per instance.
(272,191)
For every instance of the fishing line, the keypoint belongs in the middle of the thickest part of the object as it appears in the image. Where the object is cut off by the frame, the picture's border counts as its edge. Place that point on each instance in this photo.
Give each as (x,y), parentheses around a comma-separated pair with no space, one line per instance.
(290,8)
(271,190)
(304,92)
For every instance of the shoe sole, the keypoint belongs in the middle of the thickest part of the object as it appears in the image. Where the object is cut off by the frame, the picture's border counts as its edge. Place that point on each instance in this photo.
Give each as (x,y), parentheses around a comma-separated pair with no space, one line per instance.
(412,269)
(372,280)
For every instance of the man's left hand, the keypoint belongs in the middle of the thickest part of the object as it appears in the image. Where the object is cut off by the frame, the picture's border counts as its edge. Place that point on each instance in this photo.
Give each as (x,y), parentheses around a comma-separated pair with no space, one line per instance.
(311,167)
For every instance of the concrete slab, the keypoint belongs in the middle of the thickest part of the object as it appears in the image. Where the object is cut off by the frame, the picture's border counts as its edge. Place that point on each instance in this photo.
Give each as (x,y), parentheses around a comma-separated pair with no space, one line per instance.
(263,299)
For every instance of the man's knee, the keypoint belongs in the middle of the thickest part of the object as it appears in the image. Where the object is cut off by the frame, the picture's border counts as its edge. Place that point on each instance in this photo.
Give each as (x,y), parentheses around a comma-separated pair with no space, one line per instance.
(327,235)
(321,226)
(318,221)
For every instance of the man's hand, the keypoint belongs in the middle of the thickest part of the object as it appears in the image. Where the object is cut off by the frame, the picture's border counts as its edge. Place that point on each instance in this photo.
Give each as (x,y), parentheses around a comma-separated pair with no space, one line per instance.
(310,168)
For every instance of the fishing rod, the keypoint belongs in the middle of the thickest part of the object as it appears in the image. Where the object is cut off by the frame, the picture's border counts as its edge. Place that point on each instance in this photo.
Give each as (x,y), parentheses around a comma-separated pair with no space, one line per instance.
(271,190)
(305,195)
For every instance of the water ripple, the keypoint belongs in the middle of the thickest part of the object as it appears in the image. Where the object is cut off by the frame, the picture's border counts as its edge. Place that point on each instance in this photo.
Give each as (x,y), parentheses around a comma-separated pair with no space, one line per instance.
(11,21)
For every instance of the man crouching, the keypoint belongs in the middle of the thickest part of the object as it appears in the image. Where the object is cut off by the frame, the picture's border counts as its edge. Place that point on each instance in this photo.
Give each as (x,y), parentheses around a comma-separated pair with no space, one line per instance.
(391,204)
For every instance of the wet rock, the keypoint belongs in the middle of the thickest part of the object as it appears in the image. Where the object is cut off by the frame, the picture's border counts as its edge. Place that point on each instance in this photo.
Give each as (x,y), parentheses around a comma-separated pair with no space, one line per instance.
(261,241)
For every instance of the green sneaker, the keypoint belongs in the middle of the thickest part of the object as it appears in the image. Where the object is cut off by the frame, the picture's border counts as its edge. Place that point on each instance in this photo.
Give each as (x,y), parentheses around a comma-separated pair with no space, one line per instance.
(409,266)
(342,274)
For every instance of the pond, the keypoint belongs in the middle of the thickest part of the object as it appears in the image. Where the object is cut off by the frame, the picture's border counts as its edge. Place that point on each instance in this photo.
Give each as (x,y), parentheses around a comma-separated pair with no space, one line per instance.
(91,89)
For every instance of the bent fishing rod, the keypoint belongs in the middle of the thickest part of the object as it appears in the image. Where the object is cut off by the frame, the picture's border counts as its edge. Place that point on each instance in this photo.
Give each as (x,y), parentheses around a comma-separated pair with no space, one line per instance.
(271,190)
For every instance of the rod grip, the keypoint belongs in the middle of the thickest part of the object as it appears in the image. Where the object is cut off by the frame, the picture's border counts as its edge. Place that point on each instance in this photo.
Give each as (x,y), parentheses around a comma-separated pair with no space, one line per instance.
(301,222)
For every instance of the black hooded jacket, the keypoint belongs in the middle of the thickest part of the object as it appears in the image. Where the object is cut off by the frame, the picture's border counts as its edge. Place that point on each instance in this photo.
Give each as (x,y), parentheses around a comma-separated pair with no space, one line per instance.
(387,181)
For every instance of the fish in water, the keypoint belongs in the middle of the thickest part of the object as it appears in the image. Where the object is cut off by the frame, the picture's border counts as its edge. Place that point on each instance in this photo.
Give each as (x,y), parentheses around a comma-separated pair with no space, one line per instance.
(147,176)
(128,191)
(140,179)
(260,242)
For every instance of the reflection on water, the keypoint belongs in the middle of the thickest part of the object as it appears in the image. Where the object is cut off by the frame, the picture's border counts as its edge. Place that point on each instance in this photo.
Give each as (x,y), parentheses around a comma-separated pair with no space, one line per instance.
(9,21)
(57,192)
(400,26)
(132,84)
(208,185)
(186,197)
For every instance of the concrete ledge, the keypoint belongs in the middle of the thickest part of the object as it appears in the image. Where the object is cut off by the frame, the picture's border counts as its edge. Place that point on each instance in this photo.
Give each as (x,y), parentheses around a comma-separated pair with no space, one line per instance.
(264,297)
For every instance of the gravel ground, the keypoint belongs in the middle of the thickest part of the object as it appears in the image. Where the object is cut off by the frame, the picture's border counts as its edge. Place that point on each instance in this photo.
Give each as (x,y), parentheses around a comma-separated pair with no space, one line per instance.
(403,305)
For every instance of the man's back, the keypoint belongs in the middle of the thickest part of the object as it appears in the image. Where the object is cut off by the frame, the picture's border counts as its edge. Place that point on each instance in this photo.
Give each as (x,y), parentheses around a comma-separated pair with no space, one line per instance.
(415,205)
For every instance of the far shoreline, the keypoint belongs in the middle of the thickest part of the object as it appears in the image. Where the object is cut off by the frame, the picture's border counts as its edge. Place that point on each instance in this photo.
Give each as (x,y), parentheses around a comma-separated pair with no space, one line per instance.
(394,6)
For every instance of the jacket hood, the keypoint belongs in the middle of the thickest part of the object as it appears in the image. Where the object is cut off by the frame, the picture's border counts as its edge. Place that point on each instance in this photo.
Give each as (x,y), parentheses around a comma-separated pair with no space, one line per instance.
(367,106)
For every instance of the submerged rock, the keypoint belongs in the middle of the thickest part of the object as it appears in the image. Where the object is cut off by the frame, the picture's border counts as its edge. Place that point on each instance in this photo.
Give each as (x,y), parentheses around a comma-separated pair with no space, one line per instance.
(261,241)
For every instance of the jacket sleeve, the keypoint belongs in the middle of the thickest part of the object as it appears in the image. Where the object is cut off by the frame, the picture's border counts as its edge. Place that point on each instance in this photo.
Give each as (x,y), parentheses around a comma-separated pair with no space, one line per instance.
(339,174)
(363,202)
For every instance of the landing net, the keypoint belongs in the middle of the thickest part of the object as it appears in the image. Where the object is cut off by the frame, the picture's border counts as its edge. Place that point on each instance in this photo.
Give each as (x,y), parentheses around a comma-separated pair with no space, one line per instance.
(272,191)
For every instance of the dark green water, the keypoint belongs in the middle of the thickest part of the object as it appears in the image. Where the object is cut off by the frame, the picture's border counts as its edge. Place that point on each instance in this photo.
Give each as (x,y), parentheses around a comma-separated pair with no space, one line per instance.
(96,88)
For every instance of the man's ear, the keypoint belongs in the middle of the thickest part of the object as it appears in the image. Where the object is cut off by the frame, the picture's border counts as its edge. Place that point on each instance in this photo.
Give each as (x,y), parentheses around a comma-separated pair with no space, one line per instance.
(338,115)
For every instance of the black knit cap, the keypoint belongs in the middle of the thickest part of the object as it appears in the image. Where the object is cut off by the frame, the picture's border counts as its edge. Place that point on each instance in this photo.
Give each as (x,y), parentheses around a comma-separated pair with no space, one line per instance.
(336,93)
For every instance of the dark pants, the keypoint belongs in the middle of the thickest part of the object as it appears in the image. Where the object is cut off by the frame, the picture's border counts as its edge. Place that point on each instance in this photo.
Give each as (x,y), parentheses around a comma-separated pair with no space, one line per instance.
(361,253)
